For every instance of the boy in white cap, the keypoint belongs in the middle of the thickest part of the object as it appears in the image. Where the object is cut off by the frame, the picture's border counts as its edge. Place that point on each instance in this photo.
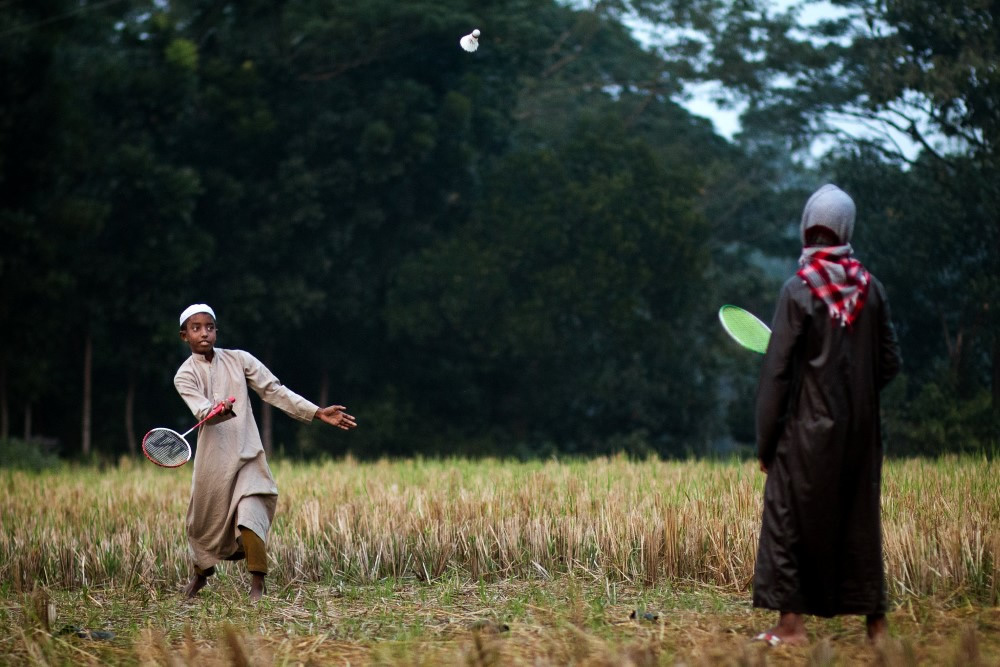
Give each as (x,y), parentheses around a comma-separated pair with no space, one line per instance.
(233,495)
(819,436)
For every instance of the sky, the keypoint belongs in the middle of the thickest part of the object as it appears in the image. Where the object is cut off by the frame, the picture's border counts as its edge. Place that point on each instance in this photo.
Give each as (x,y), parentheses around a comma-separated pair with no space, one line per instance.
(701,100)
(726,121)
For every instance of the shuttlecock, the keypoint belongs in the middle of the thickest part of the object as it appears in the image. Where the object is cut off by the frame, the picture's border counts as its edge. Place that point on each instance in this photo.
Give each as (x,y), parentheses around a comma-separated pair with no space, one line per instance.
(471,41)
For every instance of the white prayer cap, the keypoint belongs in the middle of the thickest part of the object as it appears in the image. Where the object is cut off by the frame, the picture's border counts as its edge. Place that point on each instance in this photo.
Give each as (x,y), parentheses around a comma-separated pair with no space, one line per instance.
(196,308)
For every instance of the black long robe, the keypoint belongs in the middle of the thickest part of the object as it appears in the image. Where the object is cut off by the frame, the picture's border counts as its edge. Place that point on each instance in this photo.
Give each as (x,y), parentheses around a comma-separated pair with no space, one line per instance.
(819,434)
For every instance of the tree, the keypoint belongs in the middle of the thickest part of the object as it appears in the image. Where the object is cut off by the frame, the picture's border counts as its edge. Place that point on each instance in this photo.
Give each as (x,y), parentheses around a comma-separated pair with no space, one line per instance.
(384,218)
(926,70)
(928,245)
(139,259)
(885,72)
(559,308)
(47,206)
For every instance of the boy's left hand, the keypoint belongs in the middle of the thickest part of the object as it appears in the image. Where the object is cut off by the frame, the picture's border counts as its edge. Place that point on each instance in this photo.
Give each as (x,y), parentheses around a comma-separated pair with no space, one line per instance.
(334,415)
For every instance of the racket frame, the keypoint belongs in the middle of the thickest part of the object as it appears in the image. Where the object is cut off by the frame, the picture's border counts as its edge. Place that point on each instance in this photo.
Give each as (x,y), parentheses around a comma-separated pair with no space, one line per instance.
(160,463)
(214,411)
(751,316)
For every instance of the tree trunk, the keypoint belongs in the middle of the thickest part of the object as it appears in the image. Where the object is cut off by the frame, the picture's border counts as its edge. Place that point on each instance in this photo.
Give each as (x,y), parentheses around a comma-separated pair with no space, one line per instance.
(954,347)
(27,422)
(324,389)
(4,410)
(88,362)
(130,415)
(996,372)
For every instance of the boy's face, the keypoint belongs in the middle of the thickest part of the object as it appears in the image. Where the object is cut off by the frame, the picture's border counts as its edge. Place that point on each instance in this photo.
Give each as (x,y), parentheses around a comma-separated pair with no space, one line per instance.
(199,332)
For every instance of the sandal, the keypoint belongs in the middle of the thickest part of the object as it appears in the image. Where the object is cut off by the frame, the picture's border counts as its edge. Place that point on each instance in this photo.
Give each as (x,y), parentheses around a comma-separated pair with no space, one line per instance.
(768,638)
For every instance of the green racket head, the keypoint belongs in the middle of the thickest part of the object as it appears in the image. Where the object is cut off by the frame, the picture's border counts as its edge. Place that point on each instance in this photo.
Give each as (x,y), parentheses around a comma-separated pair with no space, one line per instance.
(745,328)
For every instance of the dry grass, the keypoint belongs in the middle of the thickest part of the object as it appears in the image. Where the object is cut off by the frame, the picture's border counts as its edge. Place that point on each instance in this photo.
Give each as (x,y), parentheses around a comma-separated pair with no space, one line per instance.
(420,562)
(516,622)
(616,520)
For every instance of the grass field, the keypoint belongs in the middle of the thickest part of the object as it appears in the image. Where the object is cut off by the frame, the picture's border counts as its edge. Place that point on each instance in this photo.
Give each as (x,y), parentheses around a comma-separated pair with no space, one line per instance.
(458,562)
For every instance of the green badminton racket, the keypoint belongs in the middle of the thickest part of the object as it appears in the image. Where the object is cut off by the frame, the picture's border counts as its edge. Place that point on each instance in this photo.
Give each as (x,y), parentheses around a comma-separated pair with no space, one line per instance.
(745,328)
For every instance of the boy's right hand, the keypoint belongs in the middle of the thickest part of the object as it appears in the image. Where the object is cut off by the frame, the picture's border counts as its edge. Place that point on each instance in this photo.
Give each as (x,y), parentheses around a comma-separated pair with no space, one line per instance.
(334,415)
(226,414)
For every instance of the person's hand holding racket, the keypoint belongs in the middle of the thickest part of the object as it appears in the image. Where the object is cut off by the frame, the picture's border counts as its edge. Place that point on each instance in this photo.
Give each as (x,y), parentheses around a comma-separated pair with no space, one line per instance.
(334,415)
(225,411)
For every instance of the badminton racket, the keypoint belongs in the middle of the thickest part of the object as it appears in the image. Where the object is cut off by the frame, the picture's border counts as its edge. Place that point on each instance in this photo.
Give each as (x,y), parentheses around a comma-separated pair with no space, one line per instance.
(168,448)
(745,328)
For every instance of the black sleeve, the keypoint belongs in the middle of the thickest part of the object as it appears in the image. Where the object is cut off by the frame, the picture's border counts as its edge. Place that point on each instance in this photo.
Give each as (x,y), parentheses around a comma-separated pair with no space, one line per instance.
(776,374)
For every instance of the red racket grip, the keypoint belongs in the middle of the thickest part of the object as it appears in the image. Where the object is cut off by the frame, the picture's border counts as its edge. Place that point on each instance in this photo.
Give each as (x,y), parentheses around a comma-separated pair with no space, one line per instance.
(216,410)
(219,408)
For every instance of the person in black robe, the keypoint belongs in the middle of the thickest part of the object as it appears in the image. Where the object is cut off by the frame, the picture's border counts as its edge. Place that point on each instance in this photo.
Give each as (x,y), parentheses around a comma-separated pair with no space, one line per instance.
(819,440)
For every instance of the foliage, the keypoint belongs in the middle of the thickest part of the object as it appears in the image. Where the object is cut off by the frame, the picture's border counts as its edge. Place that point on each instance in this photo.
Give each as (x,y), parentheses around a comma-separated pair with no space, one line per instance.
(525,244)
(34,456)
(940,417)
(935,252)
(262,158)
(907,90)
(566,280)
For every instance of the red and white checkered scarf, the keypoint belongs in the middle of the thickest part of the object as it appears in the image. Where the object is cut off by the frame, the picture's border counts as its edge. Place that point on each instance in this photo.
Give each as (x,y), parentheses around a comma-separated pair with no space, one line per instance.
(833,275)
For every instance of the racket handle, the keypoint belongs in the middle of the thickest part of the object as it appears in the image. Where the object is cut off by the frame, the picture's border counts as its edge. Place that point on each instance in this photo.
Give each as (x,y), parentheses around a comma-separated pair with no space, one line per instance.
(215,411)
(218,408)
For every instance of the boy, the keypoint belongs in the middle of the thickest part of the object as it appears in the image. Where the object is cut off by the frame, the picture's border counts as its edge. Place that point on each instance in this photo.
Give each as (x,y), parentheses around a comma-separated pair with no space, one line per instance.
(233,495)
(832,350)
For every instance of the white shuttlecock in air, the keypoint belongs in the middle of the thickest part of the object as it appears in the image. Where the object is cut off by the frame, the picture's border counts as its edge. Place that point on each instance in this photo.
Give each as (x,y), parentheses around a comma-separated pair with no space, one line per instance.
(471,41)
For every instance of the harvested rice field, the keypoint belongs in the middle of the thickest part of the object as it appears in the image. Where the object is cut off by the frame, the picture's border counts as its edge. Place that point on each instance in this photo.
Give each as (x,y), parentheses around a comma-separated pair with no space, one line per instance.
(588,562)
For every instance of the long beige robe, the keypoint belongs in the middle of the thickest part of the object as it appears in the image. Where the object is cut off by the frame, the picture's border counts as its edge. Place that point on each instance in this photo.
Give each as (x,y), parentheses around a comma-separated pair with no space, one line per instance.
(231,485)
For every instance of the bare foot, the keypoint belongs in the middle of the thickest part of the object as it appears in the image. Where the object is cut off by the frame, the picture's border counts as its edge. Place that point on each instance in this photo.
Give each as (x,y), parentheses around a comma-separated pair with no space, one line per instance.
(877,626)
(196,584)
(256,587)
(791,629)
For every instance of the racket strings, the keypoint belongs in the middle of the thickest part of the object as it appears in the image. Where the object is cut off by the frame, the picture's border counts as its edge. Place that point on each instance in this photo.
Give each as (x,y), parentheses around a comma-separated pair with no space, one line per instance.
(746,329)
(166,447)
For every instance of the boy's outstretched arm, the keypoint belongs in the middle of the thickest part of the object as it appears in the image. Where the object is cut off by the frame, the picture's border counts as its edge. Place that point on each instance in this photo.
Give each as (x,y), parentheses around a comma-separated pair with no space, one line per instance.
(334,415)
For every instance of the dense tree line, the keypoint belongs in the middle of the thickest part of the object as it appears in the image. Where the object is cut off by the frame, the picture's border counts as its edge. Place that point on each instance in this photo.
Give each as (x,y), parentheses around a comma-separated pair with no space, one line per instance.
(518,251)
(928,72)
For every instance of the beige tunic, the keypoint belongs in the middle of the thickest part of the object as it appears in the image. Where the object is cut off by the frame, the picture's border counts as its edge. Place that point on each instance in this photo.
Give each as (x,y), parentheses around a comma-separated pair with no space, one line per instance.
(231,485)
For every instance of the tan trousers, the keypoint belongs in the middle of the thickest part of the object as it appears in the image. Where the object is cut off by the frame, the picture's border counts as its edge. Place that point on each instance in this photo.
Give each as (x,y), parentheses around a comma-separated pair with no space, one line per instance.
(254,551)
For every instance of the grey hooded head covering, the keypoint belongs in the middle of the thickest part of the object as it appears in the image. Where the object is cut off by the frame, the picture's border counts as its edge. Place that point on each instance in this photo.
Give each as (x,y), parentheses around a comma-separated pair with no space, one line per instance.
(832,208)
